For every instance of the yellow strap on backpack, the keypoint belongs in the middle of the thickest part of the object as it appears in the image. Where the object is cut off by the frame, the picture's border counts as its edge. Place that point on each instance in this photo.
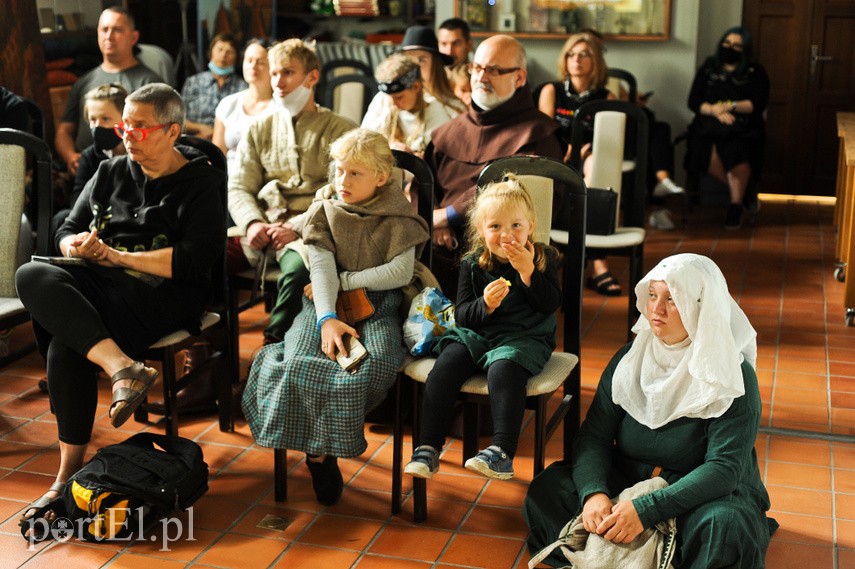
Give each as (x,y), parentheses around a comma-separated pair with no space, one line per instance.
(106,523)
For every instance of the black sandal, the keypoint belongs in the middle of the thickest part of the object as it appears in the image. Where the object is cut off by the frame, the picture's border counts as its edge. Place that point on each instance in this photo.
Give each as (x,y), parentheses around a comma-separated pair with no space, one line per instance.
(141,378)
(602,284)
(42,505)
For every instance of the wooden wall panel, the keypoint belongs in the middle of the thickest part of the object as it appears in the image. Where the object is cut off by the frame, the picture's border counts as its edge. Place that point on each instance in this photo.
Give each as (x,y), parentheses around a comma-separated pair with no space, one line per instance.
(22,56)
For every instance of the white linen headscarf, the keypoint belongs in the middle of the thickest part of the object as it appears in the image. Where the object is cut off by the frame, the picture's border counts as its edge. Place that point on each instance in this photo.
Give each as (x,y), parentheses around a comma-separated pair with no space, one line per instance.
(700,377)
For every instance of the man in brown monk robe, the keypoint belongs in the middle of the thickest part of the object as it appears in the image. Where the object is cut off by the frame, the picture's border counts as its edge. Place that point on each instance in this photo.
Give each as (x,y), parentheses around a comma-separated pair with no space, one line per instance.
(502,121)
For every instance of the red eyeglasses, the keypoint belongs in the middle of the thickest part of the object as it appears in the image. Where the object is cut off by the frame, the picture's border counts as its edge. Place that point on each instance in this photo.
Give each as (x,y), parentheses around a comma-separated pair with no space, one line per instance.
(136,134)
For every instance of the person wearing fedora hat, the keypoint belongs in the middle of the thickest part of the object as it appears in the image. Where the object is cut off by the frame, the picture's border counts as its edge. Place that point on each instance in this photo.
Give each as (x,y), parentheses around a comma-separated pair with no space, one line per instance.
(421,46)
(400,111)
(502,121)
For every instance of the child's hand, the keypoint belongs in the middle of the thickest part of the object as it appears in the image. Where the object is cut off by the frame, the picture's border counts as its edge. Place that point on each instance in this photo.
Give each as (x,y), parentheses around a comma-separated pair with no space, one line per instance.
(521,257)
(332,331)
(495,293)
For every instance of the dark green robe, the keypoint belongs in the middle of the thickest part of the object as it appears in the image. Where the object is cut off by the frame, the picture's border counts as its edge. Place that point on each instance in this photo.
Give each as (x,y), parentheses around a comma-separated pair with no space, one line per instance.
(521,329)
(714,485)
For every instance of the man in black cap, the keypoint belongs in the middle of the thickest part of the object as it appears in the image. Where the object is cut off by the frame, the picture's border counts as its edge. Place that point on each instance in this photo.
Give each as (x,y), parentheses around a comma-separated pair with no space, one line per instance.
(502,121)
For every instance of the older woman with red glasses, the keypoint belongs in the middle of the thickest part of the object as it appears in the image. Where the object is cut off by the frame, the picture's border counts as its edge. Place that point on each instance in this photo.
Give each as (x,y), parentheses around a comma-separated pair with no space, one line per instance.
(140,245)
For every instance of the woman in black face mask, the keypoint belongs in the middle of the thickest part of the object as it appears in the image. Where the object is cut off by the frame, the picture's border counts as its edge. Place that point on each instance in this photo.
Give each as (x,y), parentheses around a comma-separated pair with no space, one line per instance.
(726,139)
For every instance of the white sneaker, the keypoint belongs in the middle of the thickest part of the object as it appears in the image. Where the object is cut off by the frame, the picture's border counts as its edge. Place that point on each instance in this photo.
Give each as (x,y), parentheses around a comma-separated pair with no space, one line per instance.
(661,219)
(666,188)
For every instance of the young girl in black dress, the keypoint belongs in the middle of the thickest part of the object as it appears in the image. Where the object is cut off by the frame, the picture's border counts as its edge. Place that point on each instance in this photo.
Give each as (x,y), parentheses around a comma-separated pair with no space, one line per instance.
(507,296)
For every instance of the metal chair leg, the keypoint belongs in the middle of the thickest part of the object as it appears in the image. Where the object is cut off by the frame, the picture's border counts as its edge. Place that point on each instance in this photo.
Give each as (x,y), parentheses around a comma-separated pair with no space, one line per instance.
(397,448)
(419,484)
(280,474)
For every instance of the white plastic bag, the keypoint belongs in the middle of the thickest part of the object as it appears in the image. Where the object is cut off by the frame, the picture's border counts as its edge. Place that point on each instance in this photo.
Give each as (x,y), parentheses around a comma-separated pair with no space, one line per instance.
(431,314)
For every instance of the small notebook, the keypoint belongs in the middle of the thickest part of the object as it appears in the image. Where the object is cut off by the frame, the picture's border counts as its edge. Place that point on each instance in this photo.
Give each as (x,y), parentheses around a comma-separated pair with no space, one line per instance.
(59,260)
(356,352)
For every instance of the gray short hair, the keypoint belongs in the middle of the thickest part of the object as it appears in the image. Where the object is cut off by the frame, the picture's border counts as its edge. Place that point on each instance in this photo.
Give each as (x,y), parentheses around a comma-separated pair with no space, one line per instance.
(168,105)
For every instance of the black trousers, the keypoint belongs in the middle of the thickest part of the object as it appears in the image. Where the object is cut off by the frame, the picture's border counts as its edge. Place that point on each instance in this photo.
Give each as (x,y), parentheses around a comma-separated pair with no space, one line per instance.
(74,308)
(660,149)
(72,326)
(506,382)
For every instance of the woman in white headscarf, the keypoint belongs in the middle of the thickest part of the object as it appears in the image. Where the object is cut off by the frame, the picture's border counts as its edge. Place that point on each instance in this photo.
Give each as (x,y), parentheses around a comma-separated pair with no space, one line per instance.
(680,402)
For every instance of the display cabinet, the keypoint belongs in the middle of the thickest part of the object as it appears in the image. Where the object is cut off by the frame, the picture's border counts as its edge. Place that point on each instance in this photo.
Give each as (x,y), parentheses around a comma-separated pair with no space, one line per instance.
(622,20)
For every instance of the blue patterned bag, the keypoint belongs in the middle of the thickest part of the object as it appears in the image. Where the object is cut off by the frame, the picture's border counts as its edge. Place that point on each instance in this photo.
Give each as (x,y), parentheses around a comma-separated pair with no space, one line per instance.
(431,314)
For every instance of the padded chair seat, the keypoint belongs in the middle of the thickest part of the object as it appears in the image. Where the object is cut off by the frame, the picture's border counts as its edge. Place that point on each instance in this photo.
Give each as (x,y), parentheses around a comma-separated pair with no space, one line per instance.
(11,307)
(629,238)
(556,370)
(623,237)
(208,319)
(409,359)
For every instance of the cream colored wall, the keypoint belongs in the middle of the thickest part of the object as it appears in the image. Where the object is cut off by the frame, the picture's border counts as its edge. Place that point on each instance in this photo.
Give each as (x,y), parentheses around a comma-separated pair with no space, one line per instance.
(715,17)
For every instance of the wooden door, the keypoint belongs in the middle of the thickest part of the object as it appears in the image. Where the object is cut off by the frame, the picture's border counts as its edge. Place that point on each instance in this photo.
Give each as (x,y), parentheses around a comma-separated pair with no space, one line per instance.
(808,49)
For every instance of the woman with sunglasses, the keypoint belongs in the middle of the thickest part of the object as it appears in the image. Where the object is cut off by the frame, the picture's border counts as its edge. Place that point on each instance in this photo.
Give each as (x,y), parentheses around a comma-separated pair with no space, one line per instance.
(145,234)
(726,139)
(583,73)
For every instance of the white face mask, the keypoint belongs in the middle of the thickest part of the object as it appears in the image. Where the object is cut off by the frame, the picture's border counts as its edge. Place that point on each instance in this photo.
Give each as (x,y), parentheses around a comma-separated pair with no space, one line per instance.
(489,100)
(295,101)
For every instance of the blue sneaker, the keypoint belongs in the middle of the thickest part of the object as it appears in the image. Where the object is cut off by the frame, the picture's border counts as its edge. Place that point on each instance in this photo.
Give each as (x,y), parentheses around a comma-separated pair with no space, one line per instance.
(424,463)
(492,462)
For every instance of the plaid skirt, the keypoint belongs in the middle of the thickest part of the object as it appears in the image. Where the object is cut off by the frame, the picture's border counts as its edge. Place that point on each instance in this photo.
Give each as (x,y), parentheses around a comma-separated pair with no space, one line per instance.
(297,398)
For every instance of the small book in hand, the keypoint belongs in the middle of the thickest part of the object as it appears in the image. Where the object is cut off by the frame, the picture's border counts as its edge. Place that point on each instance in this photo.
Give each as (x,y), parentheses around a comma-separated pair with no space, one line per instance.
(59,260)
(356,352)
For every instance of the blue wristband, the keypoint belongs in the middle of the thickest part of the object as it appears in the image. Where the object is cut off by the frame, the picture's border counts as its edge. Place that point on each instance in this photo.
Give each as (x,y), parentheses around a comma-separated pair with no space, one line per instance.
(453,216)
(323,318)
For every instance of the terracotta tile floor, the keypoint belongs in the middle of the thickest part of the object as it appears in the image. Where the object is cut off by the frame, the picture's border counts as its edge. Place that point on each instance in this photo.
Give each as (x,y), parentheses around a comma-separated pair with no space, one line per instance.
(779,271)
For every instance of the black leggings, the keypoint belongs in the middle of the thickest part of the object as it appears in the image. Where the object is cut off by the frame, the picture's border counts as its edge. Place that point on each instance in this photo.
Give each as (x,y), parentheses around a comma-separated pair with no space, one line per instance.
(506,382)
(660,149)
(71,326)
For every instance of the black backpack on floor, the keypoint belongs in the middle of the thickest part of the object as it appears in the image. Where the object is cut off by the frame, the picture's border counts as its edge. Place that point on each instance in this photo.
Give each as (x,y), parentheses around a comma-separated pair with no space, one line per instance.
(124,489)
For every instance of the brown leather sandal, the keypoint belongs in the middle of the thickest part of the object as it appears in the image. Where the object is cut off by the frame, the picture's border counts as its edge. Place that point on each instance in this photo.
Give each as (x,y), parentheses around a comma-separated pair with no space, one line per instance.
(126,399)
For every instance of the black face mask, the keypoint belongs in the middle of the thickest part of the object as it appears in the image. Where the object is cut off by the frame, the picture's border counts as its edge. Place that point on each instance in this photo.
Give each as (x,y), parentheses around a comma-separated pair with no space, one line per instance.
(729,55)
(105,138)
